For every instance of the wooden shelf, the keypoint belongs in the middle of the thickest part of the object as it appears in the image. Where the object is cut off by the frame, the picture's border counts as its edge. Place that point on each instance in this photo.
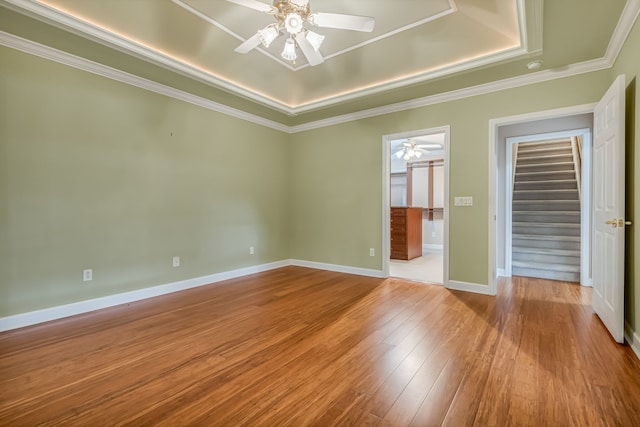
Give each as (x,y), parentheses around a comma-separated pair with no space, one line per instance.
(435,194)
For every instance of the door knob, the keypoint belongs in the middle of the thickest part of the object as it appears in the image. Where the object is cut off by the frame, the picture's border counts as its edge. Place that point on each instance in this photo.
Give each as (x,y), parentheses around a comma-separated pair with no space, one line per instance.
(618,223)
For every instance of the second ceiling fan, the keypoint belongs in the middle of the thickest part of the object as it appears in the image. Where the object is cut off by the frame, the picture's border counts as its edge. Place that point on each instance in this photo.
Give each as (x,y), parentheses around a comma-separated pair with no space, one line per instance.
(291,17)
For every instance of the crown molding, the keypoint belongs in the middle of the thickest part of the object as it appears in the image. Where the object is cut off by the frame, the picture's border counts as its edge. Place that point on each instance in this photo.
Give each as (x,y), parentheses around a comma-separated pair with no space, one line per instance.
(514,82)
(46,52)
(94,33)
(276,58)
(625,24)
(628,17)
(531,24)
(59,19)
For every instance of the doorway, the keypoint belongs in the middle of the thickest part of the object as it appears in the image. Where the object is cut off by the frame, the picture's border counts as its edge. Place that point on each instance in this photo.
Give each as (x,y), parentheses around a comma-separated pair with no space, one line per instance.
(415,191)
(547,205)
(504,134)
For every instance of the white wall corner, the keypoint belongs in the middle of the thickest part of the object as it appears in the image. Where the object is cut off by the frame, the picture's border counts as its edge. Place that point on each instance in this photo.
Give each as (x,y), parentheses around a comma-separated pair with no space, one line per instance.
(501,272)
(632,338)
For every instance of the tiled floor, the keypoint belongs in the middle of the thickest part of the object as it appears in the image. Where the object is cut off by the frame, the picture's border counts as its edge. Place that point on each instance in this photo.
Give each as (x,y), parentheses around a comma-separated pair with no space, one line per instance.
(427,268)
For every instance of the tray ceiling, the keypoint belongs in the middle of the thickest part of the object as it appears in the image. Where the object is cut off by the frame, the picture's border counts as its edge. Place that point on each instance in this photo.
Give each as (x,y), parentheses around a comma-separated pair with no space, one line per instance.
(412,41)
(417,48)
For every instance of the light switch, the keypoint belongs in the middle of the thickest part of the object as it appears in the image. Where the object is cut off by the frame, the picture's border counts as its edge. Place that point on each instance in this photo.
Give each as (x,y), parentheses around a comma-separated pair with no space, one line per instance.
(463,201)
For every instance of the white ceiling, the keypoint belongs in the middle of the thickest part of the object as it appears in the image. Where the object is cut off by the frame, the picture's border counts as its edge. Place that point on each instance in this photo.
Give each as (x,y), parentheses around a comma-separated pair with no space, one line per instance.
(419,52)
(413,41)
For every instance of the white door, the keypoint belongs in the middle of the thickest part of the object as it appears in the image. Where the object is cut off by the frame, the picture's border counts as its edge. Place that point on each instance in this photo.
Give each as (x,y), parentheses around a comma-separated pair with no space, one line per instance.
(608,209)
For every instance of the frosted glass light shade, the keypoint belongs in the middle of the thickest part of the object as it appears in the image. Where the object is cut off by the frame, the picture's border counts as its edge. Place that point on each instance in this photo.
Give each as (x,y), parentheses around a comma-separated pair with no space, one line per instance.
(289,51)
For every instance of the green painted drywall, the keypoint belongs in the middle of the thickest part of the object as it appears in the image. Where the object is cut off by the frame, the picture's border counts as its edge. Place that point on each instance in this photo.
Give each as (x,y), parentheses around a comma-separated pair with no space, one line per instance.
(98,174)
(337,171)
(628,63)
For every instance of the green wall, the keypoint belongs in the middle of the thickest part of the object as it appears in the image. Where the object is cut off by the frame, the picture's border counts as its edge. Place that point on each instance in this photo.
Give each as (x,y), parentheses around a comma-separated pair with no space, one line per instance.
(337,199)
(628,63)
(98,174)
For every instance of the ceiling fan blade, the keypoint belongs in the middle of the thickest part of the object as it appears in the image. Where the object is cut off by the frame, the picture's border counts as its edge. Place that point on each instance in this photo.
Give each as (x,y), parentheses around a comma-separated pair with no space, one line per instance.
(249,44)
(313,56)
(253,4)
(343,22)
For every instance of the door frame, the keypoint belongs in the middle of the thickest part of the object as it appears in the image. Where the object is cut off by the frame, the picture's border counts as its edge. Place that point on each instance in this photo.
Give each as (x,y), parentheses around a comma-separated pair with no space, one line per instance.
(585,197)
(386,196)
(494,195)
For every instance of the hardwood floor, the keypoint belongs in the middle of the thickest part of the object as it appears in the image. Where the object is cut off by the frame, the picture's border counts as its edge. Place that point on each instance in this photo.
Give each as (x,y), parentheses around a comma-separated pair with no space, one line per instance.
(297,346)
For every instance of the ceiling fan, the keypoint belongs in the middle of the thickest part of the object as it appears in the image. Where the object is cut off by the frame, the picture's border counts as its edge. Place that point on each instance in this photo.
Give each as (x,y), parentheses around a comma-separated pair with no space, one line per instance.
(411,149)
(291,17)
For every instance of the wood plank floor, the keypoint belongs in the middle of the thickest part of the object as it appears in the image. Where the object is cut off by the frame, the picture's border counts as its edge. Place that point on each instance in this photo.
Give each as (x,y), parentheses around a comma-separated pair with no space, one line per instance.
(297,346)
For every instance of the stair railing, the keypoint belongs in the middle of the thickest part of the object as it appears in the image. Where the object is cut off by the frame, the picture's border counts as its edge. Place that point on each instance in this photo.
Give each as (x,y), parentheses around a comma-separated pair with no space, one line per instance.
(576,149)
(514,161)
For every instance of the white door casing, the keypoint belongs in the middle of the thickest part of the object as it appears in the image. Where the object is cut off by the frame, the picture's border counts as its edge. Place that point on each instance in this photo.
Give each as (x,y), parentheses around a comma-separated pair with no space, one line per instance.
(609,208)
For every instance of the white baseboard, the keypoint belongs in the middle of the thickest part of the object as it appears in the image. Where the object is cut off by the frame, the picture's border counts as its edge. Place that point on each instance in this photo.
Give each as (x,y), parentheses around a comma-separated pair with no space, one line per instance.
(59,312)
(501,272)
(53,313)
(47,314)
(468,287)
(632,338)
(338,268)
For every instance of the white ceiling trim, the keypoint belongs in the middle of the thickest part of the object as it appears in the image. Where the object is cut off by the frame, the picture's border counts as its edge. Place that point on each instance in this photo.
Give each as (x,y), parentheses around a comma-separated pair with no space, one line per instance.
(452,8)
(628,17)
(216,24)
(531,24)
(67,22)
(514,82)
(625,24)
(419,78)
(46,52)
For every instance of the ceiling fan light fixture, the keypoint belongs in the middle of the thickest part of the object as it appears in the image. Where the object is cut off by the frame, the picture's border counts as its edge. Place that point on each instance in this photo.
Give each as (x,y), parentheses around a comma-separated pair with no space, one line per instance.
(289,51)
(315,39)
(293,23)
(267,35)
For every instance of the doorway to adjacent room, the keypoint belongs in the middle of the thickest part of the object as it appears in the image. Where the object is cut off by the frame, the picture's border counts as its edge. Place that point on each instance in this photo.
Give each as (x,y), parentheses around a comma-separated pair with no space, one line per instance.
(416,183)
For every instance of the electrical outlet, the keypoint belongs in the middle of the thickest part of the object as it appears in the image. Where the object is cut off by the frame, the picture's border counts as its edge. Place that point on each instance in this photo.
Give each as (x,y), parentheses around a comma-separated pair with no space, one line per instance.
(176,261)
(87,275)
(372,252)
(252,250)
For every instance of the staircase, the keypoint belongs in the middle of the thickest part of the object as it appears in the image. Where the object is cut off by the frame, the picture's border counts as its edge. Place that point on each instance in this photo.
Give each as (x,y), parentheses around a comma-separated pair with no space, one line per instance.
(546,211)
